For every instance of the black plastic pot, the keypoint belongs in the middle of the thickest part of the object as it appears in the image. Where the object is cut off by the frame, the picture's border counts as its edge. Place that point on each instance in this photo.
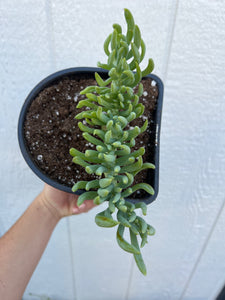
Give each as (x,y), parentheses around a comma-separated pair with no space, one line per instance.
(87,73)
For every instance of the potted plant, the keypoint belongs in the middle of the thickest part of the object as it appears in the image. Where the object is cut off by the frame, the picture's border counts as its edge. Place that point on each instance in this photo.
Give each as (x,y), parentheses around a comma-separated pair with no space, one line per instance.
(111,136)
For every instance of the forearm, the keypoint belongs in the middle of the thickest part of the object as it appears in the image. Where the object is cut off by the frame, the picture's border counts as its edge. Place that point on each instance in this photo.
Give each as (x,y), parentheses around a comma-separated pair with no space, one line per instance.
(22,246)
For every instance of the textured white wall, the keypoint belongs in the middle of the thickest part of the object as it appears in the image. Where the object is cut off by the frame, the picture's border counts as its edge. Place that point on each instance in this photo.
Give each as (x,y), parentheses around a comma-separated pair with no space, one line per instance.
(186,258)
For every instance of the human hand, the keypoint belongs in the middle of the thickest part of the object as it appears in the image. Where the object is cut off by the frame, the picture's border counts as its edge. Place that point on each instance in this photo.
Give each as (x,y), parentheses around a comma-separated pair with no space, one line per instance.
(63,204)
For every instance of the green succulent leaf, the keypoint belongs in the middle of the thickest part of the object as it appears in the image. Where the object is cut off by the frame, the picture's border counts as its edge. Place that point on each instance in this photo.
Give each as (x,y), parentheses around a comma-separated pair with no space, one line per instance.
(112,206)
(142,206)
(140,89)
(91,97)
(92,184)
(100,170)
(104,182)
(130,206)
(125,150)
(79,185)
(144,239)
(88,89)
(123,243)
(143,50)
(134,167)
(114,39)
(123,219)
(150,230)
(111,59)
(122,207)
(112,104)
(86,196)
(91,169)
(87,103)
(138,257)
(144,186)
(103,66)
(134,229)
(105,220)
(99,200)
(129,19)
(137,36)
(79,161)
(92,140)
(129,36)
(85,128)
(116,197)
(136,53)
(142,224)
(144,167)
(132,217)
(149,68)
(118,28)
(106,44)
(131,117)
(99,80)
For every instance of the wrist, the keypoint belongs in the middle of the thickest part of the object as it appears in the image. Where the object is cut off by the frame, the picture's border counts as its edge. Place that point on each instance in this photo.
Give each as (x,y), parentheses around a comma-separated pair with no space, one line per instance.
(48,208)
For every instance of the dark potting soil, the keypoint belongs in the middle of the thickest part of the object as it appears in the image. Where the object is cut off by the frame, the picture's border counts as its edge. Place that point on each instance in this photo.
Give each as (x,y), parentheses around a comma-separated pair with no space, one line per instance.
(51,130)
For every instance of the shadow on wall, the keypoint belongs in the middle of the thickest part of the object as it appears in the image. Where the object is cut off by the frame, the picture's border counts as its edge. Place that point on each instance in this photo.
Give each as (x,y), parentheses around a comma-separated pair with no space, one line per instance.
(221,295)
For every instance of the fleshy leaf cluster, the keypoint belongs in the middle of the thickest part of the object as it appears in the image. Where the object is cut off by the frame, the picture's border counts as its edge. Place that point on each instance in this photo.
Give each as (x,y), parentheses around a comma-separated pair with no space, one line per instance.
(112,104)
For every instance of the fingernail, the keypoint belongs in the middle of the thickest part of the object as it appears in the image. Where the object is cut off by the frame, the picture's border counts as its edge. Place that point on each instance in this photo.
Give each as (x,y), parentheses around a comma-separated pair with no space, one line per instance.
(82,206)
(75,210)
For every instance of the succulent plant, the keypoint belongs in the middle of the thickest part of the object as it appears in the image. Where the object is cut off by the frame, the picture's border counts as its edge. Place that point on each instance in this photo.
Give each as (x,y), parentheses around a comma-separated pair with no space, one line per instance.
(112,104)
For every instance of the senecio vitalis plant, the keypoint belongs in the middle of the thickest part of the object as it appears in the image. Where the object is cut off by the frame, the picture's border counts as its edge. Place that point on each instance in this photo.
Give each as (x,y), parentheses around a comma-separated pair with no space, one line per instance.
(112,105)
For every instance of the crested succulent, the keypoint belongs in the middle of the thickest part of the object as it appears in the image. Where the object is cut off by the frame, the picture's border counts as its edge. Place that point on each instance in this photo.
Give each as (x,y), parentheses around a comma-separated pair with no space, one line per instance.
(112,104)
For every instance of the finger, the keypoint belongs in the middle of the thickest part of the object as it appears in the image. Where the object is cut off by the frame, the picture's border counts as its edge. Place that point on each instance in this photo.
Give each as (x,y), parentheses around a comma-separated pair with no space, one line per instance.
(85,207)
(89,205)
(79,209)
(73,208)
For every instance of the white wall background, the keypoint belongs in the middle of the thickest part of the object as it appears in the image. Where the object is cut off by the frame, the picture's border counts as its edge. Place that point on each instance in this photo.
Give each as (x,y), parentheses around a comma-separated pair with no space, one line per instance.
(186,258)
